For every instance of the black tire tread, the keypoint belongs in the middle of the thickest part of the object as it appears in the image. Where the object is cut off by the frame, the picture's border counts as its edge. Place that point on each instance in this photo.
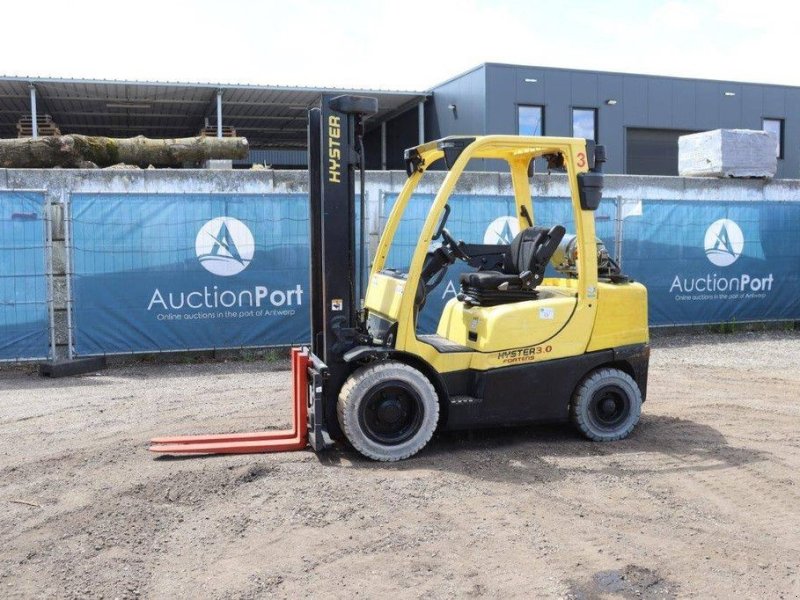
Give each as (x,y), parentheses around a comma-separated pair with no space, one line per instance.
(378,372)
(582,393)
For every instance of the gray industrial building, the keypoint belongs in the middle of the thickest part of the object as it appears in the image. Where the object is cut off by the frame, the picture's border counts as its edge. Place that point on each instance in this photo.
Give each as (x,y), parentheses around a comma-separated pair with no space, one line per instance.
(637,117)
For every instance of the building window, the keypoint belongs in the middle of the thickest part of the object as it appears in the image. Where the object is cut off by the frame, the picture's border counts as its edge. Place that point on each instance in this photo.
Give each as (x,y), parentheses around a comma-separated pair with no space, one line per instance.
(531,120)
(584,123)
(775,126)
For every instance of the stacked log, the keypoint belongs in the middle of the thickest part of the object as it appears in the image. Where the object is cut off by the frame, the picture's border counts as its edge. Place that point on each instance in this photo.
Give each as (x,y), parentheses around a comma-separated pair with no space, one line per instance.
(75,151)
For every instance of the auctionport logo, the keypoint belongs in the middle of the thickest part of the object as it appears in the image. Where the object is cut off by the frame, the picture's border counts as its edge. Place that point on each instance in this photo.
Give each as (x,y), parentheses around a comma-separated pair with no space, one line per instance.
(724,242)
(224,246)
(501,231)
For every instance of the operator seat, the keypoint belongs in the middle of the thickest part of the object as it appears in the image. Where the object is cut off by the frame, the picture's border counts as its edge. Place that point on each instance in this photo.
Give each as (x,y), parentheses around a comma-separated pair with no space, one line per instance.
(523,269)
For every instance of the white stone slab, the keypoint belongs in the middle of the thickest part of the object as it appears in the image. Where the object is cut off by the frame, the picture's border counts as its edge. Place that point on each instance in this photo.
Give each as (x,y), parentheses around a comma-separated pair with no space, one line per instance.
(727,153)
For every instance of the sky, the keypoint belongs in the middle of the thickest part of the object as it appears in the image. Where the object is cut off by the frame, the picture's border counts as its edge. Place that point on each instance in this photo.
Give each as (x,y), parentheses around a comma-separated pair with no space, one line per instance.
(395,45)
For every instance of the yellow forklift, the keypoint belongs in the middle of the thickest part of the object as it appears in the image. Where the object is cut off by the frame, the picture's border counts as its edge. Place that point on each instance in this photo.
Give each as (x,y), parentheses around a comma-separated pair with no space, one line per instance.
(514,347)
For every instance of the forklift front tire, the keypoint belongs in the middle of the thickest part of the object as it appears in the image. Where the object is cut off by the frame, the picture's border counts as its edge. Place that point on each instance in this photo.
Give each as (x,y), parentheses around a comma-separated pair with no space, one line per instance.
(606,405)
(388,410)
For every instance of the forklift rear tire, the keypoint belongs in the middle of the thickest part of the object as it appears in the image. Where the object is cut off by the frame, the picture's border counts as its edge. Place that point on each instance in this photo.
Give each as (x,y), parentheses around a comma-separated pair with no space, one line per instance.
(388,410)
(606,405)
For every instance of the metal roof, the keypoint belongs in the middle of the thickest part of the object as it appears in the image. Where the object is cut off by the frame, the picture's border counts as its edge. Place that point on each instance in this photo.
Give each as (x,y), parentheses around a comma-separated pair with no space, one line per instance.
(268,116)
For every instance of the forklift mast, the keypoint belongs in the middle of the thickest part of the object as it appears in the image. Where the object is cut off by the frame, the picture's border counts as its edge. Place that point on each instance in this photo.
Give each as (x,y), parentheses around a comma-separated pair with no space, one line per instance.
(335,151)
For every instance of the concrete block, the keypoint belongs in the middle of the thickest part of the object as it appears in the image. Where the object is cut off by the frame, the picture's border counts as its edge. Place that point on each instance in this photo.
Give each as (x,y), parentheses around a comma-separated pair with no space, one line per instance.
(59,258)
(727,153)
(60,292)
(56,220)
(67,368)
(60,322)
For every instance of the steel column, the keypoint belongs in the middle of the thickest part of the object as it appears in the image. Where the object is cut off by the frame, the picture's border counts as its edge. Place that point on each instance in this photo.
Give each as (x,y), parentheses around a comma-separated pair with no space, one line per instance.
(34,123)
(383,146)
(219,113)
(421,122)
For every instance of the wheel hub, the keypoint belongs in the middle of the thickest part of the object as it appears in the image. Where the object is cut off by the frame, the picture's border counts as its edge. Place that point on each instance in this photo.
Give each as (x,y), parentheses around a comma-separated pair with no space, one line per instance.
(392,413)
(608,407)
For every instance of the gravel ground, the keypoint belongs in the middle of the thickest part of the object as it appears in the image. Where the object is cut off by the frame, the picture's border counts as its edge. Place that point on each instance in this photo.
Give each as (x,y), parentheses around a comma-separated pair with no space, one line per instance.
(701,501)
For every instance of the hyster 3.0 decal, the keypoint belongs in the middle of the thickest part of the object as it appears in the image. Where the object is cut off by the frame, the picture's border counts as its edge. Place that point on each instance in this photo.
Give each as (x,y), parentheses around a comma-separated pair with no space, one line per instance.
(523,354)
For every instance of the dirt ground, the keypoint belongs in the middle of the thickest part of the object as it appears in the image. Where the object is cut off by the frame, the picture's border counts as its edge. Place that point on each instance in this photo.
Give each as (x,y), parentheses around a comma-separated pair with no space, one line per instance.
(701,501)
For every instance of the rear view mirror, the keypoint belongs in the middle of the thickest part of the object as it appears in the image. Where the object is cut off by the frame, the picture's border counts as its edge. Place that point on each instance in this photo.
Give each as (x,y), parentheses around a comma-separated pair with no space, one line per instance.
(590,190)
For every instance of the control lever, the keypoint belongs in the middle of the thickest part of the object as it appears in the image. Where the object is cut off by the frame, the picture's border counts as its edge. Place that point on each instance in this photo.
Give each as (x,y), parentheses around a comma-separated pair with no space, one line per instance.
(526,278)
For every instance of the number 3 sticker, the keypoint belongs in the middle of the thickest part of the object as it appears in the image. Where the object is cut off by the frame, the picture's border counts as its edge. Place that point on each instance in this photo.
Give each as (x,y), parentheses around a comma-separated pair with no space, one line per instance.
(581,159)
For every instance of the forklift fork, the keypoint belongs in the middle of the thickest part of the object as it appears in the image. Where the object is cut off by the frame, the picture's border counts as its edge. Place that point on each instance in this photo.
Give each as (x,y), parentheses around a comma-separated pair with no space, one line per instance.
(336,150)
(286,440)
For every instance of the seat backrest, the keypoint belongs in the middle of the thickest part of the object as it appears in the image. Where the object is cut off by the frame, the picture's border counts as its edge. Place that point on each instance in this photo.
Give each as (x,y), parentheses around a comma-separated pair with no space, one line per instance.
(532,249)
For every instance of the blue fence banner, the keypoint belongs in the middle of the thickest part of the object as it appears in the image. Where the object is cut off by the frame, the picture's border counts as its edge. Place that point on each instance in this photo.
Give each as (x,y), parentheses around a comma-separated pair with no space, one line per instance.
(24,310)
(164,272)
(702,261)
(716,262)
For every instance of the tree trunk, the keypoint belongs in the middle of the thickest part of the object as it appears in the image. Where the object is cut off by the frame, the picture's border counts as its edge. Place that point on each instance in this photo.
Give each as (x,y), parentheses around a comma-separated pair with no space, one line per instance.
(73,150)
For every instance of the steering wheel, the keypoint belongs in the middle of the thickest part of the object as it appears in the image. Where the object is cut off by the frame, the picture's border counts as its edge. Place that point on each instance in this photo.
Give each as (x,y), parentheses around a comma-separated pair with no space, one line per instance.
(454,246)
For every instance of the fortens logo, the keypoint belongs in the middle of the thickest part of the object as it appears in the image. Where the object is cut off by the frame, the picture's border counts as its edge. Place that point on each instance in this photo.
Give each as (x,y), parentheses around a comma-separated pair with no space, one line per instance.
(224,246)
(501,231)
(724,242)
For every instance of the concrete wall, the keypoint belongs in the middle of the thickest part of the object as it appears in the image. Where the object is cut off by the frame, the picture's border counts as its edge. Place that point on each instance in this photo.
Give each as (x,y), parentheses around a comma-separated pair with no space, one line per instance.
(58,184)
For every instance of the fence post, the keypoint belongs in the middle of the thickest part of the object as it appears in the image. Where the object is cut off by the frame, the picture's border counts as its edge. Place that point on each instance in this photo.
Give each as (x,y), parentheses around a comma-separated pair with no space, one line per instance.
(68,269)
(48,241)
(618,230)
(625,207)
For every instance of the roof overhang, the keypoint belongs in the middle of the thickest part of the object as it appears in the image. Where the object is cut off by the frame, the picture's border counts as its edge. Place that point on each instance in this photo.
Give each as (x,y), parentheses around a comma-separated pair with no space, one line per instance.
(269,116)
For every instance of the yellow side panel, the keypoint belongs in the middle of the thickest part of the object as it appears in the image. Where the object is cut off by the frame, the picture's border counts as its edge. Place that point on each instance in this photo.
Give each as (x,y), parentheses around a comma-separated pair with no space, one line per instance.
(384,295)
(621,316)
(553,326)
(489,329)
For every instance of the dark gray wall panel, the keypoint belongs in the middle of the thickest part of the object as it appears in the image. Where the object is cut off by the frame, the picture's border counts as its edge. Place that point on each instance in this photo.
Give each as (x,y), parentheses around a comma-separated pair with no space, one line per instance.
(752,107)
(708,96)
(730,107)
(585,90)
(774,101)
(659,103)
(610,121)
(635,100)
(501,100)
(468,93)
(529,92)
(612,135)
(557,112)
(789,166)
(684,102)
(610,87)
